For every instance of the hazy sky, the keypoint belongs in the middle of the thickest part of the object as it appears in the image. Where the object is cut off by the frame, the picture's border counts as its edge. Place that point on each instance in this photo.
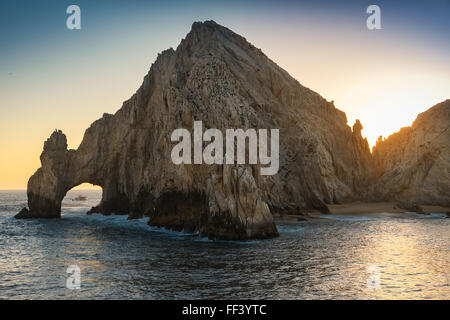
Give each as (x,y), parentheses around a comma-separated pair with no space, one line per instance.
(52,77)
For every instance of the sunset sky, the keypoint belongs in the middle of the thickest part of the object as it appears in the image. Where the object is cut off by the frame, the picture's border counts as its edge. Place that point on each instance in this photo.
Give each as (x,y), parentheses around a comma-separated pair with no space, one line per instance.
(52,77)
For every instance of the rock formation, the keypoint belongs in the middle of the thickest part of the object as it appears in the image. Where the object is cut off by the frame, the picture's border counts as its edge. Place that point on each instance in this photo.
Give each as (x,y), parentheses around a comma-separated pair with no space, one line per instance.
(413,164)
(217,77)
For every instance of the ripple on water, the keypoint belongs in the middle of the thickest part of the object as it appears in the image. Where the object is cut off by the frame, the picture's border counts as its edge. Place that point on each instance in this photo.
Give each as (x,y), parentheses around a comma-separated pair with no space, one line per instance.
(128,259)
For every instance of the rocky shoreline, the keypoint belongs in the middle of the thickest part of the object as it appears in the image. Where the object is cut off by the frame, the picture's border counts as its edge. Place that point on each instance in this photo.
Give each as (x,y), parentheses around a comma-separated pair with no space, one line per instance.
(217,77)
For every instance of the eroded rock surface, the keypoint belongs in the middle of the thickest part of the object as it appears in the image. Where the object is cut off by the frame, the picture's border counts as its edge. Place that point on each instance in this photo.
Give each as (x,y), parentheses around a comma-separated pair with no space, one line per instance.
(217,77)
(413,164)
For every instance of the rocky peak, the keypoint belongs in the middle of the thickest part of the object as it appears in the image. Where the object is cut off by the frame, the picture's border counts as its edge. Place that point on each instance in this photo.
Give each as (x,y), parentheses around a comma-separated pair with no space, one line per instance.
(55,149)
(357,127)
(57,141)
(204,32)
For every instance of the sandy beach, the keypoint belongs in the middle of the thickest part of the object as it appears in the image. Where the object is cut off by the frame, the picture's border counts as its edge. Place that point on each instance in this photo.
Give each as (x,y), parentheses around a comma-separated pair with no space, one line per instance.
(374,209)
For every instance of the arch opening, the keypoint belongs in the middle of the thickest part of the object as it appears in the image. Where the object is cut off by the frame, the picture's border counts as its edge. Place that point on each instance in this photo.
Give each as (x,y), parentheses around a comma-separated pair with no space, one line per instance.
(82,197)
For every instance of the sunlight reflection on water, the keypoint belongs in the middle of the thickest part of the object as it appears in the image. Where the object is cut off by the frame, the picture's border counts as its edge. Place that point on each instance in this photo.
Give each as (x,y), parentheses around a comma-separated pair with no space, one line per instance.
(310,260)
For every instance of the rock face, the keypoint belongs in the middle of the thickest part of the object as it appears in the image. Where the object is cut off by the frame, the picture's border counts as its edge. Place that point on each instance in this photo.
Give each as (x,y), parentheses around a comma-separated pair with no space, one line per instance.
(217,77)
(414,164)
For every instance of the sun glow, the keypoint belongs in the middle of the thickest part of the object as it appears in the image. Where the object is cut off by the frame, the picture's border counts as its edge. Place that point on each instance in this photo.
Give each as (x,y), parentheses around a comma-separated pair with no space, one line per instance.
(395,103)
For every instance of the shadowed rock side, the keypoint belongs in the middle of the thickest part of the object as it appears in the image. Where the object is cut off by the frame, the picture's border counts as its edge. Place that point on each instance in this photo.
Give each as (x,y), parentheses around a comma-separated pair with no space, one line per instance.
(217,77)
(413,165)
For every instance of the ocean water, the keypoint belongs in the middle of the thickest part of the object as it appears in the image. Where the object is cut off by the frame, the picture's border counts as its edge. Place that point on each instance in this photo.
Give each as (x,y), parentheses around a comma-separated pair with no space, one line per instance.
(339,258)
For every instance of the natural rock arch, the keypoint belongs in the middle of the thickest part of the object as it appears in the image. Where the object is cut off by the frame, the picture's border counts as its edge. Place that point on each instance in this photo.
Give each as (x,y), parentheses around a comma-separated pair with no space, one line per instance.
(217,77)
(60,172)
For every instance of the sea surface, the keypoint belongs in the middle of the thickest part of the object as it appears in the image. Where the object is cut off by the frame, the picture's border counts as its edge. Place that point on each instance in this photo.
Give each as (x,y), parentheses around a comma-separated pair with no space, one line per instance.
(339,258)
